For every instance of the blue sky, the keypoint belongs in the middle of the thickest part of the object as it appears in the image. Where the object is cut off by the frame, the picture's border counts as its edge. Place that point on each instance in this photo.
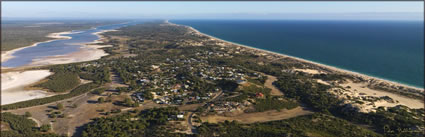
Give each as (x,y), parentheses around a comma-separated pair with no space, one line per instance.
(217,10)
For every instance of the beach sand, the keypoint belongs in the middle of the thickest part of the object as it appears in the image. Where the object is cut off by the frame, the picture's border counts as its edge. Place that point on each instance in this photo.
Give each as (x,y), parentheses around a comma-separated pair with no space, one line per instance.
(13,85)
(86,53)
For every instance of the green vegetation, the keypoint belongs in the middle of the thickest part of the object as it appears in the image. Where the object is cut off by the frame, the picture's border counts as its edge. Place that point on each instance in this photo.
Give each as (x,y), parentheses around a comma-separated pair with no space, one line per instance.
(98,91)
(391,122)
(146,123)
(45,128)
(127,102)
(227,85)
(27,114)
(97,75)
(100,100)
(59,106)
(22,127)
(301,89)
(317,125)
(270,103)
(253,90)
(61,82)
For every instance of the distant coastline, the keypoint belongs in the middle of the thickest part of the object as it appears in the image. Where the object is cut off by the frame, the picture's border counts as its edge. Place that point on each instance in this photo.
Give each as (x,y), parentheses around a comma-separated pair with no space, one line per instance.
(341,70)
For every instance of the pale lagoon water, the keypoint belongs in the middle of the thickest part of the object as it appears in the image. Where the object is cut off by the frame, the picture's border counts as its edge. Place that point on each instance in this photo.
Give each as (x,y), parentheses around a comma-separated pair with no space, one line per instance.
(58,47)
(391,50)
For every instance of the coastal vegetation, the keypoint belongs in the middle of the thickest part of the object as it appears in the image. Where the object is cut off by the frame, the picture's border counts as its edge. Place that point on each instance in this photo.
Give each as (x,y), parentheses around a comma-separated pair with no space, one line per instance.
(303,126)
(61,82)
(145,123)
(271,103)
(21,126)
(384,121)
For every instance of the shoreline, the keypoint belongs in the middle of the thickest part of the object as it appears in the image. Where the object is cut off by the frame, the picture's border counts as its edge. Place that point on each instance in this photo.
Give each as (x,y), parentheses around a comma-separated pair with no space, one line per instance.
(333,68)
(14,85)
(87,52)
(7,55)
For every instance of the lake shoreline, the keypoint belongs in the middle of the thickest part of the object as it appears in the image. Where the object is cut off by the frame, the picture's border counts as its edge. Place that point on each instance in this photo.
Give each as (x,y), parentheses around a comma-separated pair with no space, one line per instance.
(87,52)
(6,55)
(344,71)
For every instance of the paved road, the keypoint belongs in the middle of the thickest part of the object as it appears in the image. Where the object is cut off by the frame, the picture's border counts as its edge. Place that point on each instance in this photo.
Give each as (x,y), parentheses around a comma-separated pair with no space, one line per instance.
(189,119)
(189,122)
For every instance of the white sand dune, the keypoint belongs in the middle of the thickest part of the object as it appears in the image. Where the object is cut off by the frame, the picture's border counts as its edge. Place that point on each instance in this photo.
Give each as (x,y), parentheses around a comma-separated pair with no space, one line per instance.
(362,88)
(13,84)
(309,71)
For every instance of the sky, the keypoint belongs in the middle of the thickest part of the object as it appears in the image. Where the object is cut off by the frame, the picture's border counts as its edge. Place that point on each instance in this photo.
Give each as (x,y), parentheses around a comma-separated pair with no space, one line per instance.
(360,10)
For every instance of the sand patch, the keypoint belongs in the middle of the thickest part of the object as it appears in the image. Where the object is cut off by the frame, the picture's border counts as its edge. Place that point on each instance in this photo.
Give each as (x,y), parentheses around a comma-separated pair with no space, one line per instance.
(269,84)
(309,71)
(361,90)
(86,53)
(322,82)
(13,84)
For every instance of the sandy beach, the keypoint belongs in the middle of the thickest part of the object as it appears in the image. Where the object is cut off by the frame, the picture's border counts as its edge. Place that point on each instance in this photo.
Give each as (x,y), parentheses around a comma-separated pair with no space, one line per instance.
(13,85)
(306,61)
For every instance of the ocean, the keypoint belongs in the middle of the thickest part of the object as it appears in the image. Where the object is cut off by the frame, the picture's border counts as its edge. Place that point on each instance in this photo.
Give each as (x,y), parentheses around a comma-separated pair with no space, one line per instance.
(391,50)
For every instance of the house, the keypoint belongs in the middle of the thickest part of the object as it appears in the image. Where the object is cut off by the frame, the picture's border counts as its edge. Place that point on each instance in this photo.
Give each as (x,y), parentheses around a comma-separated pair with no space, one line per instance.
(259,95)
(180,116)
(240,81)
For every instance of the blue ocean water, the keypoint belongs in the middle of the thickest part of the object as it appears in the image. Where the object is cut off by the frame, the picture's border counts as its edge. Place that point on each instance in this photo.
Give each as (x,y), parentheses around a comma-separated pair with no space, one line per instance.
(392,50)
(58,47)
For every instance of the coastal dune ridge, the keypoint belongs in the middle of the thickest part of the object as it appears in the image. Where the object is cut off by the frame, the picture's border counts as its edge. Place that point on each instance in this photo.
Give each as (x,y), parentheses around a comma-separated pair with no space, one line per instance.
(340,70)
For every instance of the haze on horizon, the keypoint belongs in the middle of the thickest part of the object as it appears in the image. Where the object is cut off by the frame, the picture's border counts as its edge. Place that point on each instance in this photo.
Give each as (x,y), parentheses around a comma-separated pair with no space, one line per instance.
(215,10)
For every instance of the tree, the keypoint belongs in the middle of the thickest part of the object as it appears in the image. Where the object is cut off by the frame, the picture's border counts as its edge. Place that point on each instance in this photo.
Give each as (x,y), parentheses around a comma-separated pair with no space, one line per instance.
(127,101)
(45,127)
(27,114)
(59,106)
(148,95)
(100,100)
